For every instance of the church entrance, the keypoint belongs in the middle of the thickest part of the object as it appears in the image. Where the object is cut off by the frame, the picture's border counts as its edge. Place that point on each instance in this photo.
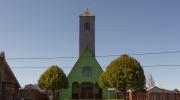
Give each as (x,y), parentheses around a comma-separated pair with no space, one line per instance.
(86,90)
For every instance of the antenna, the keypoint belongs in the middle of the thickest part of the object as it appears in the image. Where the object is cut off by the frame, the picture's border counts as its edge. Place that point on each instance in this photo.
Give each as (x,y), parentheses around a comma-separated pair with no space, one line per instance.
(87,6)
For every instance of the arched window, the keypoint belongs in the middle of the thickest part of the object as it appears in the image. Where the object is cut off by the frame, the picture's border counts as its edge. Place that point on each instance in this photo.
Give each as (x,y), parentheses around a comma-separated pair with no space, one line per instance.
(87,71)
(75,87)
(87,26)
(75,90)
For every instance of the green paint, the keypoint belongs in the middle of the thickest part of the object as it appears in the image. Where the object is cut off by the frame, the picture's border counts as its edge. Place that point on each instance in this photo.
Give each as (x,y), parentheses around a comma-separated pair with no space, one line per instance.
(76,74)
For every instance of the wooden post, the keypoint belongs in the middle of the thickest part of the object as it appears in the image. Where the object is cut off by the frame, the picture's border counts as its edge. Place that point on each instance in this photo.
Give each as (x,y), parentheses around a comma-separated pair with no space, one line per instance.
(130,96)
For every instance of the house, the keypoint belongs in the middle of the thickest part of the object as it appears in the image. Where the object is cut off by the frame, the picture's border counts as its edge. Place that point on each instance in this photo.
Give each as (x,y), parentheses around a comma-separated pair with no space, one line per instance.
(156,89)
(33,92)
(9,86)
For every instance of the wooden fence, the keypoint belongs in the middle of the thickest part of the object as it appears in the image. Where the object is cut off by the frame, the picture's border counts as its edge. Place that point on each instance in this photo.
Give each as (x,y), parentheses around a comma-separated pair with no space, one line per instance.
(154,96)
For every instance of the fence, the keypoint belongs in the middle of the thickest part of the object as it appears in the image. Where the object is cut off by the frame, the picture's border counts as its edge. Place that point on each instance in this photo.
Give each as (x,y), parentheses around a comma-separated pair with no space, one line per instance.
(154,96)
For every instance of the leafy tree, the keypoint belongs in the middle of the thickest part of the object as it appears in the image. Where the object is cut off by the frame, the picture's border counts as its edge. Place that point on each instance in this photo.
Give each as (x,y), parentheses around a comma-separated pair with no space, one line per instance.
(150,81)
(53,79)
(124,73)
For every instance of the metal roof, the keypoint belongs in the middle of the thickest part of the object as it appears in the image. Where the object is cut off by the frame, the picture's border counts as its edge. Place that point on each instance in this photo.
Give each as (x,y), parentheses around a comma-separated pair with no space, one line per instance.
(87,13)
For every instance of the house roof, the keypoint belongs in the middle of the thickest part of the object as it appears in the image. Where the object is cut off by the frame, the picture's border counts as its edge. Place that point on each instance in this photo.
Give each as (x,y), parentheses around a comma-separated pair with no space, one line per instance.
(33,87)
(158,89)
(8,69)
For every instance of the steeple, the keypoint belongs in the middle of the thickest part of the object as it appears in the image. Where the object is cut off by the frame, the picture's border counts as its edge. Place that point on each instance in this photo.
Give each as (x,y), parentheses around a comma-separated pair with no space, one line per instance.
(87,13)
(87,32)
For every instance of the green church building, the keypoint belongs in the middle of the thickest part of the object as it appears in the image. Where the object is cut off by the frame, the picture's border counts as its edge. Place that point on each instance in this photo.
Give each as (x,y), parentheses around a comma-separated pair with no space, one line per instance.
(83,77)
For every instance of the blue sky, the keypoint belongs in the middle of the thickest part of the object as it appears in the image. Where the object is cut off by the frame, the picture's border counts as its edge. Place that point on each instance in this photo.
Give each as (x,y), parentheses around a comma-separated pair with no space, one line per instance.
(50,28)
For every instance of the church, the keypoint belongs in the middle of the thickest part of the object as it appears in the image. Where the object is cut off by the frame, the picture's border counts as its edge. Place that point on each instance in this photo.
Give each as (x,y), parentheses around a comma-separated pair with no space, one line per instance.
(83,77)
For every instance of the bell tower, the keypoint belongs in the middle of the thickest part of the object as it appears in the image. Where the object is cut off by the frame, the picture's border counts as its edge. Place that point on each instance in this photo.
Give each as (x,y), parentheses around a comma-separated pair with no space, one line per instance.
(86,32)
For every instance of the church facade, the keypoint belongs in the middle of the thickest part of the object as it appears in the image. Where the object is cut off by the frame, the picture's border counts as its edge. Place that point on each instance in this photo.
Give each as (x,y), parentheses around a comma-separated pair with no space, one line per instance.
(83,77)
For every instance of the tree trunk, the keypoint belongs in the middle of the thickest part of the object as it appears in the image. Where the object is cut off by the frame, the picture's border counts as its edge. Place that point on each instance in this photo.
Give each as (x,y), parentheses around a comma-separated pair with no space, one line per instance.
(57,95)
(124,92)
(116,94)
(53,95)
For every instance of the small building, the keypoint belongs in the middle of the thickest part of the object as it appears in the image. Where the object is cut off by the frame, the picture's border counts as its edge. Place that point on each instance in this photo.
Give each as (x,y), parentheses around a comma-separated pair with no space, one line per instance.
(9,86)
(156,89)
(33,92)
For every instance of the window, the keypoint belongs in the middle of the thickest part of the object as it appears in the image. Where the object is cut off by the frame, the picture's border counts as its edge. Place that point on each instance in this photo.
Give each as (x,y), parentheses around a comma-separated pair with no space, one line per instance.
(87,26)
(87,71)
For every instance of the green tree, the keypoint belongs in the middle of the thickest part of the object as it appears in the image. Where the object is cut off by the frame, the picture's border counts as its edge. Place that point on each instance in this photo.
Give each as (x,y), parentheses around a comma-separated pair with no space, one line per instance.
(124,73)
(53,79)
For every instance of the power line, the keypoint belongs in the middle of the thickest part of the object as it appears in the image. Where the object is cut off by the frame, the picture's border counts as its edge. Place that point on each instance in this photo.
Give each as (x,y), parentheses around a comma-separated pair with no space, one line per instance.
(37,58)
(156,53)
(164,66)
(72,57)
(148,53)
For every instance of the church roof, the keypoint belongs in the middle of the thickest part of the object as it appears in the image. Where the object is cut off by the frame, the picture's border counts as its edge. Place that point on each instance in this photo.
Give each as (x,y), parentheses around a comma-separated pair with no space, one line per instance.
(87,13)
(86,59)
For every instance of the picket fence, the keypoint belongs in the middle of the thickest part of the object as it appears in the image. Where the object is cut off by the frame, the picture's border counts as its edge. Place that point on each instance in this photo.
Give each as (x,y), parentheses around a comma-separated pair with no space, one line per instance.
(154,96)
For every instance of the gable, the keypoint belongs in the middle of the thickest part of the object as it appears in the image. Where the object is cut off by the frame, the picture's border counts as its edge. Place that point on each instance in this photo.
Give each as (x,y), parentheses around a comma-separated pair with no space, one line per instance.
(8,75)
(86,64)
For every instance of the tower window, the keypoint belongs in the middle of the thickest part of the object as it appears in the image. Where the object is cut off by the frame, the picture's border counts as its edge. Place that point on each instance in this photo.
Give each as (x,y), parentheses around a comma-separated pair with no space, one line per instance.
(87,26)
(87,71)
